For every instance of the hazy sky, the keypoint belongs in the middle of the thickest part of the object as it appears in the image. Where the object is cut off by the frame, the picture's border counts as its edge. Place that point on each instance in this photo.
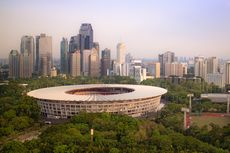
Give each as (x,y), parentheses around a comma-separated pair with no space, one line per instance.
(147,27)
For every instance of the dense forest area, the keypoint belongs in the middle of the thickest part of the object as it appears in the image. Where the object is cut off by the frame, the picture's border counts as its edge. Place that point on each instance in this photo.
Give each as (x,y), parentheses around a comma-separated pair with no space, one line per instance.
(112,133)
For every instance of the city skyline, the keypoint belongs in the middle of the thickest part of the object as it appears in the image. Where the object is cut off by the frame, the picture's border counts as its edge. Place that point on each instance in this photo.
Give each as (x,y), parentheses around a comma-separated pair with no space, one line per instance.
(147,28)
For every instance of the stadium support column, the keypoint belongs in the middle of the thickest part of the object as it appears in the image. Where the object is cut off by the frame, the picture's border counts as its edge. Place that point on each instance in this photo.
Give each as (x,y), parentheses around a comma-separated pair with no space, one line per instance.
(185,110)
(190,102)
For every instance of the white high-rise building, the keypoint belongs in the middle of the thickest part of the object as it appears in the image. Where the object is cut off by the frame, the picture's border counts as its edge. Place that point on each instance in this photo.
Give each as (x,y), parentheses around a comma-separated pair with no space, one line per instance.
(200,67)
(120,63)
(121,53)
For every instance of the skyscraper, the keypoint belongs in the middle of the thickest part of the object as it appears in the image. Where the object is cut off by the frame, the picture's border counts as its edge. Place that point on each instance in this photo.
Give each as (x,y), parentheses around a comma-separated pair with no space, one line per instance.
(200,67)
(86,34)
(212,65)
(167,57)
(120,63)
(94,63)
(85,66)
(85,40)
(75,61)
(154,69)
(105,62)
(44,59)
(14,65)
(173,69)
(64,55)
(27,45)
(74,43)
(227,73)
(26,65)
(121,52)
(27,57)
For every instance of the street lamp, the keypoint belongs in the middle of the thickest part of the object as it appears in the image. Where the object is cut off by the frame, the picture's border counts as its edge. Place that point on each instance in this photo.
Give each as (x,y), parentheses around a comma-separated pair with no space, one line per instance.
(228,102)
(190,102)
(91,135)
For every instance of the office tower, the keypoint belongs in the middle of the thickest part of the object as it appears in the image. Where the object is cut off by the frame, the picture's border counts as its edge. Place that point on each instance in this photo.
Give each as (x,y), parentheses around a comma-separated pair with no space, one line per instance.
(121,52)
(44,59)
(173,69)
(105,62)
(227,73)
(85,66)
(86,34)
(75,61)
(185,68)
(94,63)
(153,69)
(167,57)
(64,55)
(26,65)
(200,67)
(74,43)
(85,39)
(212,65)
(14,59)
(27,45)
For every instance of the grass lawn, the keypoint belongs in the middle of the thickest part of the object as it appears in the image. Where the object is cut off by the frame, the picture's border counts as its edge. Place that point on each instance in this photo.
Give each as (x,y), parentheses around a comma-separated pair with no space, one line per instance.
(206,120)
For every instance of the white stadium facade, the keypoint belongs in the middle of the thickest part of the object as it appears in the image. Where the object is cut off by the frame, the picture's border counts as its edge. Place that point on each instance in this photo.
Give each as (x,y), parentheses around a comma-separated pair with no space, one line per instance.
(67,101)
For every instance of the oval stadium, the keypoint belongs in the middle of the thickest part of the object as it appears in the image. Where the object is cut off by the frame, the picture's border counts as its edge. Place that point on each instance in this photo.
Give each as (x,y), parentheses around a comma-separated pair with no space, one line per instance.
(67,101)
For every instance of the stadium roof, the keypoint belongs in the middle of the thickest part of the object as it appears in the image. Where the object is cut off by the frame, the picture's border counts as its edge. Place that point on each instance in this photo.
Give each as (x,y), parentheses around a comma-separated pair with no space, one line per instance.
(59,93)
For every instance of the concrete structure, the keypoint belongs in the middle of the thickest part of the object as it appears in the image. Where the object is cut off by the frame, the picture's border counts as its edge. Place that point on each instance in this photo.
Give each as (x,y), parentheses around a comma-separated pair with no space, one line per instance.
(64,49)
(27,48)
(167,57)
(121,53)
(86,34)
(74,43)
(75,61)
(186,118)
(44,58)
(200,67)
(67,101)
(105,62)
(26,64)
(85,60)
(216,97)
(212,65)
(174,68)
(14,64)
(216,78)
(153,69)
(94,63)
